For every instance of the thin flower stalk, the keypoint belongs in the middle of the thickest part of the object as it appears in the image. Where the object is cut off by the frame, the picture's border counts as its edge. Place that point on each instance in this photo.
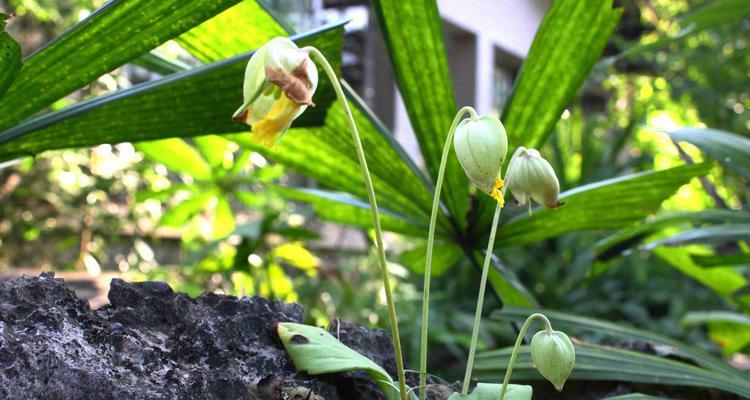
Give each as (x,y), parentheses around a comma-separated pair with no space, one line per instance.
(315,53)
(430,245)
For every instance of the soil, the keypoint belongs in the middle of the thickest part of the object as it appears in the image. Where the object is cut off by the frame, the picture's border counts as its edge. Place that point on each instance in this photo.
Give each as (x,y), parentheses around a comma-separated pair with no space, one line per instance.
(153,343)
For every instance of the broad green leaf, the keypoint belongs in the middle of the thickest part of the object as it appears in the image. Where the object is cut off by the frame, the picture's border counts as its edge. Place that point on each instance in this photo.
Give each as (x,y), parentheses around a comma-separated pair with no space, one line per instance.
(732,151)
(214,149)
(114,34)
(491,391)
(577,324)
(162,195)
(613,203)
(624,239)
(178,215)
(345,209)
(10,57)
(609,364)
(244,26)
(569,40)
(178,156)
(316,352)
(413,34)
(707,235)
(445,255)
(731,330)
(723,280)
(195,102)
(223,218)
(720,260)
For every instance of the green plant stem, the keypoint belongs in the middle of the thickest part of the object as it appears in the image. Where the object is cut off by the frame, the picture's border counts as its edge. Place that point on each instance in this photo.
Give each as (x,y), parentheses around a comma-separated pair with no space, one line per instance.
(375,217)
(430,244)
(519,340)
(480,301)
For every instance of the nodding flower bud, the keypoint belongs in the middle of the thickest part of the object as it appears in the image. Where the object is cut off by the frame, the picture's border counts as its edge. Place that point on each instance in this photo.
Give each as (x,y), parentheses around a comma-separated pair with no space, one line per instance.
(529,175)
(554,356)
(481,145)
(280,80)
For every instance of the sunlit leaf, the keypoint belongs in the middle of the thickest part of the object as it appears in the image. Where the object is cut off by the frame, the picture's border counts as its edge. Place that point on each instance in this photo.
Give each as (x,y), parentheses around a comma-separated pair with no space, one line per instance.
(223,218)
(296,255)
(114,34)
(178,215)
(731,330)
(720,259)
(242,27)
(280,284)
(723,280)
(194,102)
(214,149)
(178,156)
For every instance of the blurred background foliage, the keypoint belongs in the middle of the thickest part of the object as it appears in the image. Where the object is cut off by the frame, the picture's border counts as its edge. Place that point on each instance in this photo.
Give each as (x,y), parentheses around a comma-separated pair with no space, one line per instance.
(211,213)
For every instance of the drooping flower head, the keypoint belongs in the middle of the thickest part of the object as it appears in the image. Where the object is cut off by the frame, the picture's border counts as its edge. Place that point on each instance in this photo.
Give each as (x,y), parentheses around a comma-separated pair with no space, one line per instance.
(280,80)
(554,356)
(481,145)
(530,176)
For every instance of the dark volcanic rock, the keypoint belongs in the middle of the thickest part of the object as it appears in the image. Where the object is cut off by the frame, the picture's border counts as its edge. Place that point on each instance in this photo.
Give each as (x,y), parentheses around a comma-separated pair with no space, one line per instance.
(153,343)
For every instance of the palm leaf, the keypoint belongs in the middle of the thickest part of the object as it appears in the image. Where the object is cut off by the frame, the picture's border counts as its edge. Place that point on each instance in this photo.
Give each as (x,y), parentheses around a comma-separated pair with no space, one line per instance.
(732,151)
(609,364)
(412,31)
(10,57)
(188,103)
(569,40)
(707,235)
(114,34)
(614,203)
(577,324)
(625,239)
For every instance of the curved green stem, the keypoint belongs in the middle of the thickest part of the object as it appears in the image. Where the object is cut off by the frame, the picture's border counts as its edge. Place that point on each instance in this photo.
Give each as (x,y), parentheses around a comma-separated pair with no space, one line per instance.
(519,340)
(480,302)
(430,244)
(375,217)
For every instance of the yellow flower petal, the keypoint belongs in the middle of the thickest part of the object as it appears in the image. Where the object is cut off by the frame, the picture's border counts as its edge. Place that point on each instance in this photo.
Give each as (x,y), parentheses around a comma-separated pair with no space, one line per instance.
(277,121)
(497,193)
